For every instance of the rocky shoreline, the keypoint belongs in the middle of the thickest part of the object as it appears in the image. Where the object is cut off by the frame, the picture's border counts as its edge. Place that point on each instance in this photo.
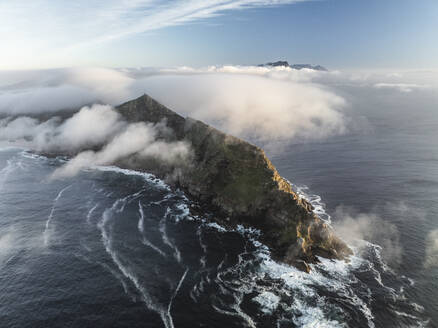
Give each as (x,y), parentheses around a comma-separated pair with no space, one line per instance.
(237,182)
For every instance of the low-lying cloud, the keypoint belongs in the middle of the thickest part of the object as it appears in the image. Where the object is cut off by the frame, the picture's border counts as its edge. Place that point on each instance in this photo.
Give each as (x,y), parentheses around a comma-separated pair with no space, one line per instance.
(139,140)
(254,107)
(250,102)
(403,87)
(352,227)
(260,104)
(255,103)
(53,90)
(97,127)
(431,254)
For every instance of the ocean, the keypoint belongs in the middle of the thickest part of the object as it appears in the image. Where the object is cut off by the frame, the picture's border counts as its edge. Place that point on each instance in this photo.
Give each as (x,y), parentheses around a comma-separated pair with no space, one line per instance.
(119,248)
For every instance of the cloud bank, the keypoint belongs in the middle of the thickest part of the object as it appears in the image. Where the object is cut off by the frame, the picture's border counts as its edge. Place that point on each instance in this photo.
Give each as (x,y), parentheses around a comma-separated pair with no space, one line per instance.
(255,103)
(253,107)
(97,127)
(403,87)
(260,104)
(353,227)
(431,255)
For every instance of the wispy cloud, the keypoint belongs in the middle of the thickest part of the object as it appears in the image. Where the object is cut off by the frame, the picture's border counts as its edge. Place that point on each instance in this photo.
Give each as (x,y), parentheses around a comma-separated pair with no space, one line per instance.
(431,256)
(403,87)
(40,25)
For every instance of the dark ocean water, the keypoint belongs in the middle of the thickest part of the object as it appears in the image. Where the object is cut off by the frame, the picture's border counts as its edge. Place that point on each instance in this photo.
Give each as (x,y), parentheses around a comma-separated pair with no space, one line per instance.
(115,248)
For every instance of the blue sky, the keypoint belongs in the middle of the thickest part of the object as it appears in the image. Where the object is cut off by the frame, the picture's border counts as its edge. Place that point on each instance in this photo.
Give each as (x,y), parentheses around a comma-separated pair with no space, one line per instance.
(354,34)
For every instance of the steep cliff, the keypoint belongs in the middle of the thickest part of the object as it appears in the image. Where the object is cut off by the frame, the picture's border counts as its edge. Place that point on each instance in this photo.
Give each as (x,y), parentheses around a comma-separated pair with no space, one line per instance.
(237,182)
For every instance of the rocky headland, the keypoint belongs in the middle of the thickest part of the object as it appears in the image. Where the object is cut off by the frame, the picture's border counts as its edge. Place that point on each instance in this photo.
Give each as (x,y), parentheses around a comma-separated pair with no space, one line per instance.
(235,181)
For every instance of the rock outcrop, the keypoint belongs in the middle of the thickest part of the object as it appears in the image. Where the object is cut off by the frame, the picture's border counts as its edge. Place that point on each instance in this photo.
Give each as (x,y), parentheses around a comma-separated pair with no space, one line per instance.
(237,182)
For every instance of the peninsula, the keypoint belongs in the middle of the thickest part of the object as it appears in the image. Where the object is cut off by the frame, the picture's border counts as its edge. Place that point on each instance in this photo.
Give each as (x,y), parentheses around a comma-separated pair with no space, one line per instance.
(235,181)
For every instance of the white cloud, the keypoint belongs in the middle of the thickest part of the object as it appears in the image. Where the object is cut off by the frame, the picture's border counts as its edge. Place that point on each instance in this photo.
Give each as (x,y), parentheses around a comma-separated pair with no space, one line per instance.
(97,127)
(23,128)
(91,126)
(25,92)
(431,256)
(353,227)
(256,103)
(138,139)
(403,87)
(253,107)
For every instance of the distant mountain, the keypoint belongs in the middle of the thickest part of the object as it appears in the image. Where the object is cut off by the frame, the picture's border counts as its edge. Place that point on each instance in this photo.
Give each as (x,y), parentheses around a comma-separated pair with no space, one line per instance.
(295,66)
(277,63)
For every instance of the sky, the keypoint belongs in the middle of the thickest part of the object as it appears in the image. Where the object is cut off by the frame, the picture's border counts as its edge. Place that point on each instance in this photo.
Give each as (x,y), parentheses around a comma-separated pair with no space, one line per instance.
(339,34)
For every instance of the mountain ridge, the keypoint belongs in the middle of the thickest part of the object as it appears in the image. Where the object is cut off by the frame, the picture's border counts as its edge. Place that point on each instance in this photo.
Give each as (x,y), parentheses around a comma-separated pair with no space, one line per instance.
(284,63)
(237,182)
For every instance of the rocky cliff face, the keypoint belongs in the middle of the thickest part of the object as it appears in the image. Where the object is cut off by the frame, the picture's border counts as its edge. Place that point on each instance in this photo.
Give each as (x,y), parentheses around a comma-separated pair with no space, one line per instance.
(237,182)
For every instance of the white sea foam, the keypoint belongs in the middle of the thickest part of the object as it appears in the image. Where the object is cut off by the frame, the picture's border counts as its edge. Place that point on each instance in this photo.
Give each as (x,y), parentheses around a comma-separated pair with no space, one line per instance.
(146,242)
(166,240)
(184,210)
(119,277)
(140,226)
(90,212)
(146,176)
(319,207)
(303,311)
(6,171)
(203,258)
(147,299)
(114,273)
(334,275)
(30,155)
(237,312)
(127,199)
(50,217)
(141,218)
(176,291)
(312,316)
(216,226)
(268,301)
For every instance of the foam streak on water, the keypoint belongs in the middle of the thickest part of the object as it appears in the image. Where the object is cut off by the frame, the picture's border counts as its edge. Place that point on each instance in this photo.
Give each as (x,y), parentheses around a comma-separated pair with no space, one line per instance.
(90,212)
(166,239)
(50,217)
(176,291)
(141,218)
(140,227)
(7,170)
(105,228)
